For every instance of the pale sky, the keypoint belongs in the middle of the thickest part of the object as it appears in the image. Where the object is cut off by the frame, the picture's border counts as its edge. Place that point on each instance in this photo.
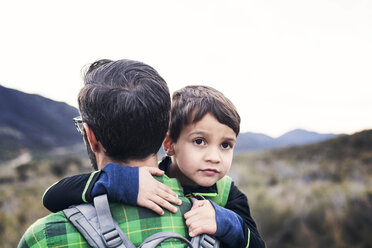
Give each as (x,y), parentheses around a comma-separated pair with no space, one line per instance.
(284,64)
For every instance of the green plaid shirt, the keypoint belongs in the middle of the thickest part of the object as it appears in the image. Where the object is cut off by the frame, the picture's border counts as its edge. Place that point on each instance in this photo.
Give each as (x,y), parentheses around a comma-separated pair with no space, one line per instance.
(138,223)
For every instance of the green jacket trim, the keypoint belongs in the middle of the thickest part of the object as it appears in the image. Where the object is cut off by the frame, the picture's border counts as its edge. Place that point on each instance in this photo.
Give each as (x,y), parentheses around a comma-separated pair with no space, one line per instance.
(87,186)
(249,237)
(223,191)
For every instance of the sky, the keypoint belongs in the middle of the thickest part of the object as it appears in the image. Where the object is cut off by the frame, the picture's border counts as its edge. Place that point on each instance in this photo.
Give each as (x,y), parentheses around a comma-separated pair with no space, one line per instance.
(284,64)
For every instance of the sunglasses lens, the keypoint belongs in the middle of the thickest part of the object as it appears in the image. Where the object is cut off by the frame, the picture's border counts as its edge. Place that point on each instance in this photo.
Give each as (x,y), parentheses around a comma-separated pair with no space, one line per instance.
(79,124)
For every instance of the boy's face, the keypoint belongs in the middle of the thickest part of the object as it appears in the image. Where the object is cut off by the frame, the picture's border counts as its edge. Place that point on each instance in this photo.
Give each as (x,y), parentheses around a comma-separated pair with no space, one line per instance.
(203,152)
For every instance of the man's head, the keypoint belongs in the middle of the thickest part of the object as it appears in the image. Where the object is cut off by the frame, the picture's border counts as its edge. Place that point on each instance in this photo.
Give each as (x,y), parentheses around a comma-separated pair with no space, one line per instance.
(126,104)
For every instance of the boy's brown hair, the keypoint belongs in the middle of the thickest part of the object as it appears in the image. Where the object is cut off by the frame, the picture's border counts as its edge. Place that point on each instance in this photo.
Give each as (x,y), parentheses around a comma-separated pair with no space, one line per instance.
(191,103)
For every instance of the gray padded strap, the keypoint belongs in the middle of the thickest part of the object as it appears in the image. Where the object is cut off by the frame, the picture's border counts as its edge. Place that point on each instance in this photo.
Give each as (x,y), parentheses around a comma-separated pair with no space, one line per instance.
(157,238)
(112,235)
(96,225)
(205,241)
(81,223)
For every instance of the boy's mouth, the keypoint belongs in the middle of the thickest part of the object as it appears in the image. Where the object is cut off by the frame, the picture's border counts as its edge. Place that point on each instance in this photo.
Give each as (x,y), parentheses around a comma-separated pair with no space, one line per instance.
(210,172)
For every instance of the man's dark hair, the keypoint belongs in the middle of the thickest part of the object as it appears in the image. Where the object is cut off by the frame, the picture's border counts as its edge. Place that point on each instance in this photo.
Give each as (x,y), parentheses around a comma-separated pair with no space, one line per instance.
(126,103)
(191,103)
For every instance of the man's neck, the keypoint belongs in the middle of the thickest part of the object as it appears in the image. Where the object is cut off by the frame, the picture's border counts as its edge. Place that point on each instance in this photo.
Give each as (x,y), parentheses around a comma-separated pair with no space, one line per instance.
(150,161)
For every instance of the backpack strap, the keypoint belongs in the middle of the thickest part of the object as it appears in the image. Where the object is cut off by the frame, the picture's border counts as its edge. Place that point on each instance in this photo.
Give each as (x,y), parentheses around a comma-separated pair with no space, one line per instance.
(96,225)
(112,235)
(201,241)
(100,230)
(157,238)
(205,241)
(81,223)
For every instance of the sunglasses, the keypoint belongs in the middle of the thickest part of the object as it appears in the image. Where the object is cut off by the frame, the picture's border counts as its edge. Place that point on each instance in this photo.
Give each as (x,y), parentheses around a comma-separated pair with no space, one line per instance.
(79,124)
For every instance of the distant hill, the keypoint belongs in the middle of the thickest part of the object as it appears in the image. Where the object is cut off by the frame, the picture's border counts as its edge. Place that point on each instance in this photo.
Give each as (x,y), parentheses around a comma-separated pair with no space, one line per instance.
(29,121)
(357,146)
(256,141)
(253,141)
(33,122)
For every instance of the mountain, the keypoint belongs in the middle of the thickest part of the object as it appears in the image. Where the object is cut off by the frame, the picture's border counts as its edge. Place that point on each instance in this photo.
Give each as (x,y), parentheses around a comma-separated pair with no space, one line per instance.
(253,141)
(33,122)
(256,141)
(29,121)
(301,137)
(344,148)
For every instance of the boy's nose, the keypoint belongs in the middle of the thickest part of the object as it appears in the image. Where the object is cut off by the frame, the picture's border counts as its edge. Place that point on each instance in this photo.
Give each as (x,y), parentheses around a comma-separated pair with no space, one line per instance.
(213,155)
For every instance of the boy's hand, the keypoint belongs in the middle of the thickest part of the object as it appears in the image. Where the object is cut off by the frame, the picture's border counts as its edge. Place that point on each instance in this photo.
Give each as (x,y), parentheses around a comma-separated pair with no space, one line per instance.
(154,195)
(201,218)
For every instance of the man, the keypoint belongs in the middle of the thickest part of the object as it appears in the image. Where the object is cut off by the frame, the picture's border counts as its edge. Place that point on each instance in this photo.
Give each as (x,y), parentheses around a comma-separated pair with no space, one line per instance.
(124,107)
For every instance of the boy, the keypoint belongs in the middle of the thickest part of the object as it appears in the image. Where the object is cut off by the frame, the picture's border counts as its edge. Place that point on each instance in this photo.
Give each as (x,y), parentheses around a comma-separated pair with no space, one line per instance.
(202,133)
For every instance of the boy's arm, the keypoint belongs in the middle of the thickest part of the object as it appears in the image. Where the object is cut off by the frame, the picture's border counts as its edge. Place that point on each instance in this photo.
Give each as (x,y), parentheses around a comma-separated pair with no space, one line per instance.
(238,203)
(128,185)
(233,225)
(69,191)
(136,186)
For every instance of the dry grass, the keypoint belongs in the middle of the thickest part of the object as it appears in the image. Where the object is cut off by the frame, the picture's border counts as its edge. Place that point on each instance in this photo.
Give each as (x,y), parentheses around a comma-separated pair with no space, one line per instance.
(21,193)
(299,203)
(317,196)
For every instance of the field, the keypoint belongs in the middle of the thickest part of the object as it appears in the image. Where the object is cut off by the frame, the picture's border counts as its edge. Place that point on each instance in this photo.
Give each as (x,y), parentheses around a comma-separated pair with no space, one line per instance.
(306,204)
(314,196)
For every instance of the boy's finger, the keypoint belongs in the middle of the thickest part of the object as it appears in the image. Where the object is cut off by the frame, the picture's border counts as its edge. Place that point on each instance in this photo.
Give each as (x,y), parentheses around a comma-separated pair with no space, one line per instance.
(170,198)
(167,189)
(164,204)
(152,206)
(191,224)
(197,204)
(155,171)
(198,227)
(188,215)
(195,232)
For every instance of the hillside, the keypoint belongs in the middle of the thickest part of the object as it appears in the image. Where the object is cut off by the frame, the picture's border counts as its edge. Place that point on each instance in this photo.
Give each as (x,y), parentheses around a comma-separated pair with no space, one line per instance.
(256,141)
(356,146)
(317,195)
(33,122)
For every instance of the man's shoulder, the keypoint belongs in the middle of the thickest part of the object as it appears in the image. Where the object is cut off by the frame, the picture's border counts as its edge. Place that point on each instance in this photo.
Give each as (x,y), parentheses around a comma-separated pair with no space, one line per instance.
(138,223)
(51,231)
(172,183)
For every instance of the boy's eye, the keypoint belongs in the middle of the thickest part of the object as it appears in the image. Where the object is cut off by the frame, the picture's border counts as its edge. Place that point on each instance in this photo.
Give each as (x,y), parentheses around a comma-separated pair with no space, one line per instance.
(226,145)
(199,142)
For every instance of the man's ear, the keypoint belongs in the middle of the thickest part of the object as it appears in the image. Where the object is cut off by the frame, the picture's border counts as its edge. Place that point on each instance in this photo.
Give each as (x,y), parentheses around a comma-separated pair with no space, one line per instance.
(168,145)
(91,138)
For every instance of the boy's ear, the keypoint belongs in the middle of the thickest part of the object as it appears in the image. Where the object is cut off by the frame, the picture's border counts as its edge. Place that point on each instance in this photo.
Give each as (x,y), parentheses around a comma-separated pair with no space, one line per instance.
(168,145)
(91,138)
